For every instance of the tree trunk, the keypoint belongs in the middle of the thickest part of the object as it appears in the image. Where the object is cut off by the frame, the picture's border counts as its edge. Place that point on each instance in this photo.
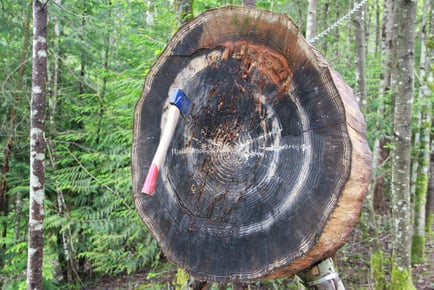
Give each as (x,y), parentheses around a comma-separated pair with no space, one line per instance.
(336,36)
(380,153)
(360,37)
(402,85)
(377,27)
(249,3)
(368,214)
(429,215)
(350,38)
(185,11)
(37,146)
(82,36)
(18,213)
(311,20)
(423,162)
(325,24)
(370,222)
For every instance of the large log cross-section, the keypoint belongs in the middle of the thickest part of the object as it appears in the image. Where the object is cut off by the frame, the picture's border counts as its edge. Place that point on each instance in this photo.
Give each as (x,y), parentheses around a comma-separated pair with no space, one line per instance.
(267,174)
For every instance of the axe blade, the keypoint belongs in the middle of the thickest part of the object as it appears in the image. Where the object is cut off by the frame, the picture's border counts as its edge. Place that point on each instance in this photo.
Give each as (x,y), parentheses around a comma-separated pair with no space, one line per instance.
(180,99)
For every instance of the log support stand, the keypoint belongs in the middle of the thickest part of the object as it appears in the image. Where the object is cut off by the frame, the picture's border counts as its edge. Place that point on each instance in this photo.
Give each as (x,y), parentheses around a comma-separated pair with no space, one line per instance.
(322,276)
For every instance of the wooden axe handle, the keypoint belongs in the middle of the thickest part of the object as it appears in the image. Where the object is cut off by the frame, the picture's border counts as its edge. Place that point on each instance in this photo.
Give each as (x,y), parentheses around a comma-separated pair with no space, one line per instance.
(159,157)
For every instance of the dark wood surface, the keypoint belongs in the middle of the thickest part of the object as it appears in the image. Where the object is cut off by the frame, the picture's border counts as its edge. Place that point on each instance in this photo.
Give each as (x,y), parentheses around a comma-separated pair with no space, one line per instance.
(267,174)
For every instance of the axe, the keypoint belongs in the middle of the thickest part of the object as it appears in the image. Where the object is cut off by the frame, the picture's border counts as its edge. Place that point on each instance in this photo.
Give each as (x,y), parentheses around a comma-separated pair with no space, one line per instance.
(179,103)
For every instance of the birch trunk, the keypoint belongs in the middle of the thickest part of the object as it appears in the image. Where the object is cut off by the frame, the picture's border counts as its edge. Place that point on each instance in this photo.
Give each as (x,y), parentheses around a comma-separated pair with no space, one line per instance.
(359,23)
(429,214)
(37,146)
(423,162)
(379,152)
(311,20)
(402,85)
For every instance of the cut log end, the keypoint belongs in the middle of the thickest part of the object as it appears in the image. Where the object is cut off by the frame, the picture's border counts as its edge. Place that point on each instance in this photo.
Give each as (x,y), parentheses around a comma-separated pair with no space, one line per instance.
(267,175)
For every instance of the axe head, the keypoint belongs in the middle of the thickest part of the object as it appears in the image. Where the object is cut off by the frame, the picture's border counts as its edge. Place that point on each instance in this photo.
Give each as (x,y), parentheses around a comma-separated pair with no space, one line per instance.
(179,99)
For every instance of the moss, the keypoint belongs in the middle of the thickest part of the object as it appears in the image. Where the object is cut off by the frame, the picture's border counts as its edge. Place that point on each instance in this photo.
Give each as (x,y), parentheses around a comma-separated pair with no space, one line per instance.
(418,250)
(418,244)
(378,270)
(428,223)
(181,279)
(401,279)
(430,42)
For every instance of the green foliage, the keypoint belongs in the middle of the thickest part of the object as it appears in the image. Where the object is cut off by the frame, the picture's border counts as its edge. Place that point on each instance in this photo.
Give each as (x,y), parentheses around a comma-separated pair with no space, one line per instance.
(105,49)
(13,274)
(108,47)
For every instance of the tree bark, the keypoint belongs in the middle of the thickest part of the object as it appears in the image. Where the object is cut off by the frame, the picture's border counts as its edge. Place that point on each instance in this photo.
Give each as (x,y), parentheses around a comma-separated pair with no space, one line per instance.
(311,20)
(368,214)
(379,152)
(325,18)
(360,37)
(336,35)
(402,85)
(82,36)
(185,11)
(424,127)
(429,214)
(37,146)
(377,27)
(249,3)
(349,38)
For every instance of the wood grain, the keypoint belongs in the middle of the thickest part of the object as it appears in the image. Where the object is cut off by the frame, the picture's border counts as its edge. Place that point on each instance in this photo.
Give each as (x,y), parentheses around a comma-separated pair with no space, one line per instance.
(267,175)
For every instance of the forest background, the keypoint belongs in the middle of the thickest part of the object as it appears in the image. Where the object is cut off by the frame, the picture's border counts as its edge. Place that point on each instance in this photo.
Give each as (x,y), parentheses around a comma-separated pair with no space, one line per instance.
(99,53)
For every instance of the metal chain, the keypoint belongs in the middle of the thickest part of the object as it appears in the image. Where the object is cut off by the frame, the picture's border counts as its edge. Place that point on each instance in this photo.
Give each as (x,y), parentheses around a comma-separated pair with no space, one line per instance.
(340,21)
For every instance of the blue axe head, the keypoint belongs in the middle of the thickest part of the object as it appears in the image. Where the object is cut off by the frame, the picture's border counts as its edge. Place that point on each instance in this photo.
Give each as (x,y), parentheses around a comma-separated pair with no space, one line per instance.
(179,99)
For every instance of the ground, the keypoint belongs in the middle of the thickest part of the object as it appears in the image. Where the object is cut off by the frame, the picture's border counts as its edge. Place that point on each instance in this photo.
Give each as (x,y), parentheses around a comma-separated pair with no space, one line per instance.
(352,261)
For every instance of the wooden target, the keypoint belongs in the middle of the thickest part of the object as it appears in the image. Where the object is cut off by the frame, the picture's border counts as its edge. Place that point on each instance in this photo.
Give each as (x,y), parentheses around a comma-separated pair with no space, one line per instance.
(267,174)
